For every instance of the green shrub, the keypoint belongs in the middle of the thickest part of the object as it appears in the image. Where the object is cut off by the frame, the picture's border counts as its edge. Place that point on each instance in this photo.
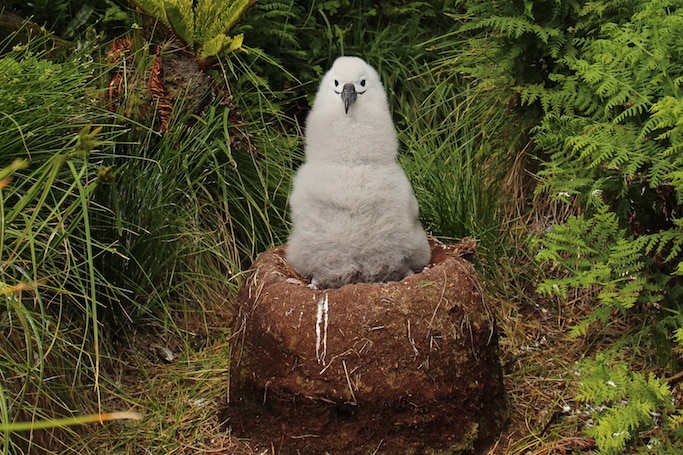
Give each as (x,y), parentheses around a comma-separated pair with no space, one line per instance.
(600,82)
(630,409)
(598,261)
(202,25)
(596,85)
(50,326)
(103,229)
(71,20)
(613,135)
(446,153)
(190,210)
(302,39)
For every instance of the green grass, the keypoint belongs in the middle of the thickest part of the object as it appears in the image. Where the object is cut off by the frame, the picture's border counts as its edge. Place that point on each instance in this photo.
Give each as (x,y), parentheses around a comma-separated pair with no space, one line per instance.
(178,401)
(200,214)
(109,228)
(446,157)
(49,325)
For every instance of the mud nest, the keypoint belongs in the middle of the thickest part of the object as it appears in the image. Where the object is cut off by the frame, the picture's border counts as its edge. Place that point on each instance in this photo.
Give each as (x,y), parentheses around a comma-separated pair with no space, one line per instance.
(399,367)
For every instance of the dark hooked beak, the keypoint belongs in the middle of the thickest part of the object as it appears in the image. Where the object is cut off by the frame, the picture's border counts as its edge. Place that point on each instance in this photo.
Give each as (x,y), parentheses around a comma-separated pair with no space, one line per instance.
(348,96)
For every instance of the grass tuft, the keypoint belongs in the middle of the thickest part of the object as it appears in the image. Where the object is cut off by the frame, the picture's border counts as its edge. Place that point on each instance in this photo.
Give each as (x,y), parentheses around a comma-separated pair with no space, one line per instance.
(109,227)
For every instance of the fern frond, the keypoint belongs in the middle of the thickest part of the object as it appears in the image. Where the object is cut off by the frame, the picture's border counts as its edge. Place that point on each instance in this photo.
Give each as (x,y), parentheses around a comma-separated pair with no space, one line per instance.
(156,9)
(181,18)
(667,245)
(633,109)
(601,315)
(203,25)
(606,145)
(664,115)
(214,17)
(623,402)
(220,44)
(595,256)
(177,15)
(513,27)
(661,171)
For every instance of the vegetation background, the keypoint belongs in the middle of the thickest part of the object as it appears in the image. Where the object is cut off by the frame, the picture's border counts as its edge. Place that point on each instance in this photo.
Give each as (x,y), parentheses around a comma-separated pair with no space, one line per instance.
(146,154)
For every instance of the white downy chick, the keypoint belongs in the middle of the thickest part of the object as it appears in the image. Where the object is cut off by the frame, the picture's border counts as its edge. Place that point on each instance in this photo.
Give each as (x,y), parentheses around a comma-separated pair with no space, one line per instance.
(354,214)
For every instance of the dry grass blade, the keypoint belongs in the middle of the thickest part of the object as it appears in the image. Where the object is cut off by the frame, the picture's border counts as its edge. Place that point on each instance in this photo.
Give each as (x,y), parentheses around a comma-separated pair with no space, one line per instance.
(157,87)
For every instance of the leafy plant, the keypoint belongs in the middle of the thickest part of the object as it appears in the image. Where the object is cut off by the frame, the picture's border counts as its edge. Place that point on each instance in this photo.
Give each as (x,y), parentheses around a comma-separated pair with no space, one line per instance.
(628,408)
(291,43)
(445,155)
(102,232)
(596,86)
(202,25)
(51,292)
(603,95)
(609,130)
(597,260)
(612,115)
(202,212)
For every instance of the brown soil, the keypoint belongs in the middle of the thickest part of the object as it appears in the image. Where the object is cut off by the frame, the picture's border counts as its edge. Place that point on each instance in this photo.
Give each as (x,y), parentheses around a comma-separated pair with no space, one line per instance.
(400,367)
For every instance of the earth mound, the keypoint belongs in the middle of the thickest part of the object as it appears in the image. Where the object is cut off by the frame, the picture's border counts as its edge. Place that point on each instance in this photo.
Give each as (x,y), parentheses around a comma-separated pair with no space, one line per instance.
(399,367)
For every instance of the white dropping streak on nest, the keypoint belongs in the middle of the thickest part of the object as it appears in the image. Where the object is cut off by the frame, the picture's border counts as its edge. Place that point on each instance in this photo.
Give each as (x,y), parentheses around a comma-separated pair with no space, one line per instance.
(321,329)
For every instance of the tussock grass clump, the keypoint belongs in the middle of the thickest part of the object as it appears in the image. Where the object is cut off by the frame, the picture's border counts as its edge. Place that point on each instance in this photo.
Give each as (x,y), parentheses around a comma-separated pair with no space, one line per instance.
(190,211)
(109,227)
(49,328)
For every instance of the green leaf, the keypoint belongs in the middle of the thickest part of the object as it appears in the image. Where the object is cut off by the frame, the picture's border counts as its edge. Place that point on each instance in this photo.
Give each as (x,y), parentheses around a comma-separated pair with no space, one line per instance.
(214,17)
(220,44)
(623,402)
(181,18)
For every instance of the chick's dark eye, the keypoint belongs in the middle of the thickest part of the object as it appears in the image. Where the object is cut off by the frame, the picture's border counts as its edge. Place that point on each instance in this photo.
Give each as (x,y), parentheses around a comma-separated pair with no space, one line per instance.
(362,83)
(336,83)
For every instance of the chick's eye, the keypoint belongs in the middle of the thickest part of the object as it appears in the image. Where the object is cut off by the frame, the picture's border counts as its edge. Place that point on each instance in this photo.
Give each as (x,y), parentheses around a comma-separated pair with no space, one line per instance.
(336,83)
(362,83)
